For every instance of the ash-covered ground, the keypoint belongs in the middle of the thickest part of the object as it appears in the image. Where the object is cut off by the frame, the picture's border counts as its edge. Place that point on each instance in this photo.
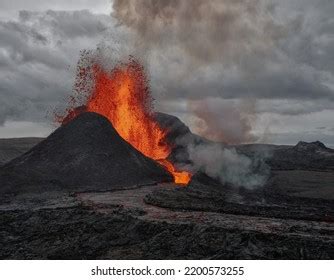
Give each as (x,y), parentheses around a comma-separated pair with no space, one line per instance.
(76,195)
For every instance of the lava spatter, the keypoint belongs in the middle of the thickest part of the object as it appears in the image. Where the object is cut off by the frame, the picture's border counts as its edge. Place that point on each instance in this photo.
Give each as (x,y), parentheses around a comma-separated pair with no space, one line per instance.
(122,95)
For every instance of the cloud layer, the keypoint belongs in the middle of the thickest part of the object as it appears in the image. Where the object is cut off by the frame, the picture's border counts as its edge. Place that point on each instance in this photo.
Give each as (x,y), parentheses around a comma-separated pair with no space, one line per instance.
(38,56)
(202,57)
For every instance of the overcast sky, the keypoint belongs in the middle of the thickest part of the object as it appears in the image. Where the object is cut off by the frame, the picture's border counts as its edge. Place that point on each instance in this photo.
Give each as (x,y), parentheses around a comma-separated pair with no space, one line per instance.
(278,58)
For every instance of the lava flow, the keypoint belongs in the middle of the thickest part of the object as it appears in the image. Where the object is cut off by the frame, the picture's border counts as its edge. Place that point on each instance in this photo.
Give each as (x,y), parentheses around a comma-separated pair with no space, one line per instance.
(122,95)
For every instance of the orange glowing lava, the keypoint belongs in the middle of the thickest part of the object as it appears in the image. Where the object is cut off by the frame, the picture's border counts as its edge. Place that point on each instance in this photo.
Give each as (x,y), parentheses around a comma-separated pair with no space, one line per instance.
(180,177)
(122,96)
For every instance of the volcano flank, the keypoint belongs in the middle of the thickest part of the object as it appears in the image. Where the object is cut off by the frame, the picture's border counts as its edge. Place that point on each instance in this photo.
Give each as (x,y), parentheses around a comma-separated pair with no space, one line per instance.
(85,154)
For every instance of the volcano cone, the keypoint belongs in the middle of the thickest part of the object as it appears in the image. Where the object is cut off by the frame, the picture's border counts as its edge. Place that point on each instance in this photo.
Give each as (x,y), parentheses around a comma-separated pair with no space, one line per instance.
(85,154)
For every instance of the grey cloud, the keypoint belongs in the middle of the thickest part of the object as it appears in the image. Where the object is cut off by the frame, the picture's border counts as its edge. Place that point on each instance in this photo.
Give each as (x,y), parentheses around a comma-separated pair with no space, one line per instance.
(66,24)
(286,83)
(293,107)
(313,43)
(38,55)
(12,129)
(10,8)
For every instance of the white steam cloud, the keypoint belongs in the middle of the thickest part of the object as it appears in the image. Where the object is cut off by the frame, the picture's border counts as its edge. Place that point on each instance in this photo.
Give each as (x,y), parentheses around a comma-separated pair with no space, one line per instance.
(229,166)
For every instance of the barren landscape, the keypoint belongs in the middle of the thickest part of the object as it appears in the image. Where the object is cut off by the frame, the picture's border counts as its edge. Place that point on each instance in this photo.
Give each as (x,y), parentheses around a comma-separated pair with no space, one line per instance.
(167,129)
(290,217)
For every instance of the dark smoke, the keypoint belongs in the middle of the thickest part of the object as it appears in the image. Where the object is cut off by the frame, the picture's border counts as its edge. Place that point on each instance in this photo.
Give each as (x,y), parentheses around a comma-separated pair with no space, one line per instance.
(212,31)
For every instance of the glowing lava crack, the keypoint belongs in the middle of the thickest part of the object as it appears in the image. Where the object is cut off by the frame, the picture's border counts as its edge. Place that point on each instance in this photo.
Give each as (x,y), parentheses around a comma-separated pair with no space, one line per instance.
(122,96)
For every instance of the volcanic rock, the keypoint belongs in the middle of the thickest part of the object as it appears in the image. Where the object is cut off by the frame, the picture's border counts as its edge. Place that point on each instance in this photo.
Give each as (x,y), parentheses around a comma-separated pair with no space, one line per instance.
(85,154)
(306,195)
(316,146)
(174,126)
(179,137)
(303,156)
(80,233)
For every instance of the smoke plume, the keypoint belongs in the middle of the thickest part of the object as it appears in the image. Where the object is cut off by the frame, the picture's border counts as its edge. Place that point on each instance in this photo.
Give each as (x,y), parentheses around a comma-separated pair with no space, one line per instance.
(200,31)
(198,40)
(224,121)
(229,166)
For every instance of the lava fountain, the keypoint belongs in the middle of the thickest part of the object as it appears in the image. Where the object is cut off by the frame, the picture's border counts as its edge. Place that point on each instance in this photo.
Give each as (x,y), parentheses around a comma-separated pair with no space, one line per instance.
(122,95)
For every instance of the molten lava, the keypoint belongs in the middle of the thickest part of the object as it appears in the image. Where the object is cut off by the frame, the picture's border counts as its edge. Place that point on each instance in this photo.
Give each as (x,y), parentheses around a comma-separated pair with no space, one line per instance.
(122,96)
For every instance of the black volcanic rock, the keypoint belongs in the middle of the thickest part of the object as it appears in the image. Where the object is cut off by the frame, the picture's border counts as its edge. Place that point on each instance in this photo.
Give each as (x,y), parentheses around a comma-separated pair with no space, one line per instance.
(175,127)
(80,233)
(303,156)
(178,133)
(271,203)
(179,137)
(316,146)
(85,154)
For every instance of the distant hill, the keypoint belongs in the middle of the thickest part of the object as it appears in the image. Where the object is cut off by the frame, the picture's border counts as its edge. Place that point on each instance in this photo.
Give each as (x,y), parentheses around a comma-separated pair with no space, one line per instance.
(11,148)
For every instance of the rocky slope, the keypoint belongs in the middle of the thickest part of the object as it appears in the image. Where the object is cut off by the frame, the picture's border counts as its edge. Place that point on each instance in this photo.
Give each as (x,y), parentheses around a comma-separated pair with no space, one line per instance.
(86,153)
(303,156)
